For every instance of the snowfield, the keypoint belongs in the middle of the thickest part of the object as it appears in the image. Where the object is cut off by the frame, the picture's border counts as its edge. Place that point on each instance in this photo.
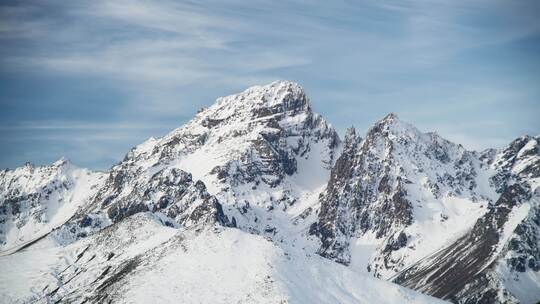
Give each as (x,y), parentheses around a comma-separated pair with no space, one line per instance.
(212,265)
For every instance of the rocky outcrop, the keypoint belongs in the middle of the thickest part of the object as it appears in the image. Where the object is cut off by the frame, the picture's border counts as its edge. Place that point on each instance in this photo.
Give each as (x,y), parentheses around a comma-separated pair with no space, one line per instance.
(169,192)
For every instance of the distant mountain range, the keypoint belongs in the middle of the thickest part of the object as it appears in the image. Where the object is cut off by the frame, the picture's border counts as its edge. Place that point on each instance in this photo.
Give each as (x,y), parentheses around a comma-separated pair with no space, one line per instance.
(258,200)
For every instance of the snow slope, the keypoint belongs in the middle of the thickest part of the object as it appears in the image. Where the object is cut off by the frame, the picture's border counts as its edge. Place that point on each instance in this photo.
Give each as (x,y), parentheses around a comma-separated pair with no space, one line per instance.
(140,260)
(24,272)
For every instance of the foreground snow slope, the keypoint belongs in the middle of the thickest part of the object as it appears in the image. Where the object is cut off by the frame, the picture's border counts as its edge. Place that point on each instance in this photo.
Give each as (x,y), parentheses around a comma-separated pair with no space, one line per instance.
(140,260)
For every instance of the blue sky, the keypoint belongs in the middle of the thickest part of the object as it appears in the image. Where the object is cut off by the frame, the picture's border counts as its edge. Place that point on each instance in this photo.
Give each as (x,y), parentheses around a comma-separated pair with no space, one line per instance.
(90,79)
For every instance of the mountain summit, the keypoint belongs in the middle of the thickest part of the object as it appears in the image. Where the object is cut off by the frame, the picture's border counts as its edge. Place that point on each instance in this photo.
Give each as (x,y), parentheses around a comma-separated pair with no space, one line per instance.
(257,200)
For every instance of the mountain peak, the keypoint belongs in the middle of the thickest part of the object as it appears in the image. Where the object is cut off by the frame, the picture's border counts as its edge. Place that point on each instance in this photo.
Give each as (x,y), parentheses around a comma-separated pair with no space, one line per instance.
(350,136)
(61,162)
(351,132)
(275,87)
(275,100)
(281,95)
(392,121)
(285,84)
(390,117)
(391,124)
(282,84)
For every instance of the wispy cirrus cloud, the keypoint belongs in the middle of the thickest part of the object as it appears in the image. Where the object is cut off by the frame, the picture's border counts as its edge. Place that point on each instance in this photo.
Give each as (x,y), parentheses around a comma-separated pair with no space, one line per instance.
(137,68)
(79,125)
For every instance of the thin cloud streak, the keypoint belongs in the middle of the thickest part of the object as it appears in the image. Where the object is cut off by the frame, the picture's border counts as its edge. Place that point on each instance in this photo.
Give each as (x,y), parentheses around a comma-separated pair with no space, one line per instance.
(423,59)
(59,125)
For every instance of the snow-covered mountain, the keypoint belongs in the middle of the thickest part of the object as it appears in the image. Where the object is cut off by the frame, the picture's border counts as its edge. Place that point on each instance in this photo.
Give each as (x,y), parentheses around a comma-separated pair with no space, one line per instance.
(35,200)
(498,260)
(401,193)
(417,209)
(257,200)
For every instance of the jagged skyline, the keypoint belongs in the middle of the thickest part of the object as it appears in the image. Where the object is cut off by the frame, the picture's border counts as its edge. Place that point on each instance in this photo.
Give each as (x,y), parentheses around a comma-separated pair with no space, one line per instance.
(265,188)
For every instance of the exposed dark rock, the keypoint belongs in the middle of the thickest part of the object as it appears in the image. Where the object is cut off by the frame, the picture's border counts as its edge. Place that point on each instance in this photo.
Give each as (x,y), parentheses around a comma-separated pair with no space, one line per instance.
(117,213)
(396,244)
(119,273)
(464,262)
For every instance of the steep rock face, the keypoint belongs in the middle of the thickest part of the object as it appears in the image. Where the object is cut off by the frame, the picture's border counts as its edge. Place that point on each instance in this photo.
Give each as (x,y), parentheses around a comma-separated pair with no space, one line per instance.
(170,193)
(498,257)
(517,162)
(171,190)
(34,200)
(391,187)
(335,222)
